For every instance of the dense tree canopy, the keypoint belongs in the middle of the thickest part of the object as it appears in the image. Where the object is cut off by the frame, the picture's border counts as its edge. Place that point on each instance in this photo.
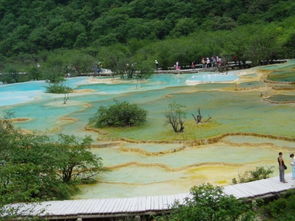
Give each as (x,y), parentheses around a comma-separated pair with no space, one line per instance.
(36,167)
(30,26)
(209,203)
(74,36)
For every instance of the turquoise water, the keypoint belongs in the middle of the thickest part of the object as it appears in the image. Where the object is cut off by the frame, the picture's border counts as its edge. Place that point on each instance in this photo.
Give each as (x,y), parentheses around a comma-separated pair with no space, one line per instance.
(22,92)
(210,78)
(148,166)
(11,94)
(161,81)
(43,117)
(290,63)
(187,157)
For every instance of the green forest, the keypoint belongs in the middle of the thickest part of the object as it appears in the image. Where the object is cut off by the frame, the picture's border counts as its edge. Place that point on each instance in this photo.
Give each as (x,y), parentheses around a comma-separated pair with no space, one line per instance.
(74,35)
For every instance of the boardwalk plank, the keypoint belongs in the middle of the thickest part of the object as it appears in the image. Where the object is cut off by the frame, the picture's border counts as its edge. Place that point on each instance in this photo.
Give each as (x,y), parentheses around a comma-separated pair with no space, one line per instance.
(100,207)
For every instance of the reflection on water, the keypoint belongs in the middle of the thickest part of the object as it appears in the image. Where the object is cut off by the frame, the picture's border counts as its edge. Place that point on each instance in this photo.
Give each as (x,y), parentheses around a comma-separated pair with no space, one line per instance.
(152,159)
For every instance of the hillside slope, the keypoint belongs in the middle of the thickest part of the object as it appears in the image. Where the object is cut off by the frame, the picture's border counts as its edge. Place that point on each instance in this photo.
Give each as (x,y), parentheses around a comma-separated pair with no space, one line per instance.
(29,26)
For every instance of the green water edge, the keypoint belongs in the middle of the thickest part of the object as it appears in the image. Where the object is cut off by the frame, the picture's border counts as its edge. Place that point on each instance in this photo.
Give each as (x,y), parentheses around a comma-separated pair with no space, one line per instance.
(284,73)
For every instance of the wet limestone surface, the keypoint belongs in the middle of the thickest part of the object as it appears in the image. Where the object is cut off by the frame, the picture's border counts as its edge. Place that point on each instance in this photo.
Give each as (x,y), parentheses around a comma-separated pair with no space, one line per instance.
(177,171)
(246,130)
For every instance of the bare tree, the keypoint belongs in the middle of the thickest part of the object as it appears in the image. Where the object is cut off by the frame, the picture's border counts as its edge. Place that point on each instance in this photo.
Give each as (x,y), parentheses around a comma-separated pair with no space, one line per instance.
(199,117)
(175,117)
(66,98)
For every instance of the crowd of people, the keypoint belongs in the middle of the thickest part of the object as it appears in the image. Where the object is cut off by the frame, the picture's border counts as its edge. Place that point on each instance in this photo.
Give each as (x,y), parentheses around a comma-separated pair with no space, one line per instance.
(213,61)
(205,62)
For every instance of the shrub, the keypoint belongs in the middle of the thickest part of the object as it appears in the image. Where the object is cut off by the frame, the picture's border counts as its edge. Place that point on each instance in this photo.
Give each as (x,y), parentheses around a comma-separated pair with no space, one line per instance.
(258,174)
(58,89)
(120,114)
(210,203)
(35,73)
(36,167)
(282,209)
(10,75)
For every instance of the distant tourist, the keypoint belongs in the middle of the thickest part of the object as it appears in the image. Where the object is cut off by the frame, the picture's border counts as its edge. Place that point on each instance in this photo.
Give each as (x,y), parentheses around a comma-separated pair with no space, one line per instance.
(193,65)
(293,165)
(203,62)
(213,61)
(219,61)
(97,68)
(157,64)
(207,62)
(282,167)
(177,66)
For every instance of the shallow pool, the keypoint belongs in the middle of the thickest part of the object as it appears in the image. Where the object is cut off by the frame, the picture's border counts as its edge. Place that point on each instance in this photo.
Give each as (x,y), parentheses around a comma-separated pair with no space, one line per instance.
(29,91)
(246,128)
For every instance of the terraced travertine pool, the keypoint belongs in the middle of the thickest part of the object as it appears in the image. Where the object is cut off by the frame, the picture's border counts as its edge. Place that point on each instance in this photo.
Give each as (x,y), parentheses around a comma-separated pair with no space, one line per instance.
(252,120)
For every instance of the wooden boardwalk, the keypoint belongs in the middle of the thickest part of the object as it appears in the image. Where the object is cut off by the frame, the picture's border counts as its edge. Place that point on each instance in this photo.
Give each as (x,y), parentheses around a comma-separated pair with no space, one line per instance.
(95,208)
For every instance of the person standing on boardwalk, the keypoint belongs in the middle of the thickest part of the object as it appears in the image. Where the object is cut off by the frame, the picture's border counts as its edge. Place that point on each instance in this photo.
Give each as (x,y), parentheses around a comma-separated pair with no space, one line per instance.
(203,63)
(157,64)
(208,62)
(177,67)
(293,165)
(282,167)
